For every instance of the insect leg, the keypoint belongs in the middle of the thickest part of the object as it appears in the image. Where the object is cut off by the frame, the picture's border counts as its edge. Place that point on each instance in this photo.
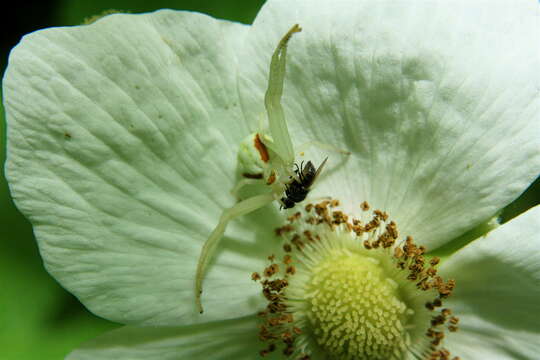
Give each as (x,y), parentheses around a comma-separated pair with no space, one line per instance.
(301,171)
(242,208)
(298,170)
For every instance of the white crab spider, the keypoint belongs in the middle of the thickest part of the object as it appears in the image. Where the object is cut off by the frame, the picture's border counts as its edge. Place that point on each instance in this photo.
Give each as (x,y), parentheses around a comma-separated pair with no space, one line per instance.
(278,171)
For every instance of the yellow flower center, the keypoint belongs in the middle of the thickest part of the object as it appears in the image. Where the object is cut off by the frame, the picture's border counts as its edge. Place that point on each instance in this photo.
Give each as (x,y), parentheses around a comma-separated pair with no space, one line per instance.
(355,308)
(346,288)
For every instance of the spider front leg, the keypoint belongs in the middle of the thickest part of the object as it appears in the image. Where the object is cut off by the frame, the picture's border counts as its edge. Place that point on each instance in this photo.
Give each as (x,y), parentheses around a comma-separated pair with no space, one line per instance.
(323,146)
(242,208)
(282,144)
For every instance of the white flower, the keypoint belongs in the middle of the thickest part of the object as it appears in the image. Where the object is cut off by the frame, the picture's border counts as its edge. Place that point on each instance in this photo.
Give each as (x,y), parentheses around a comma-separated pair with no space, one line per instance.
(123,139)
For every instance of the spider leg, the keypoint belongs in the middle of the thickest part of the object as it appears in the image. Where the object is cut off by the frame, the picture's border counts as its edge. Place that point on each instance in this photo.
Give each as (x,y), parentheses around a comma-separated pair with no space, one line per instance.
(272,100)
(323,146)
(243,182)
(242,208)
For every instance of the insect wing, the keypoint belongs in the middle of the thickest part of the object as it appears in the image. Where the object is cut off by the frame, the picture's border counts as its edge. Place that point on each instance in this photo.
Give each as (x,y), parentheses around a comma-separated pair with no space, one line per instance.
(314,178)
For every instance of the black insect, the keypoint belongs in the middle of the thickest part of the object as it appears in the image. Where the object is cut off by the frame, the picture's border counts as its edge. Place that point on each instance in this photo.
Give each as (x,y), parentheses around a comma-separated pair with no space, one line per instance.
(296,191)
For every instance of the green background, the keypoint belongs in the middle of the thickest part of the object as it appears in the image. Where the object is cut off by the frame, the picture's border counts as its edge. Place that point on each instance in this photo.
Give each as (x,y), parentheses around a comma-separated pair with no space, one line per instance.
(38,319)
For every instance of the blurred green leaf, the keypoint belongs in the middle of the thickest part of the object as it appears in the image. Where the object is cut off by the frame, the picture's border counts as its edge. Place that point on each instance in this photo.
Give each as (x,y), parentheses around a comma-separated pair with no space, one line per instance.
(39,320)
(74,12)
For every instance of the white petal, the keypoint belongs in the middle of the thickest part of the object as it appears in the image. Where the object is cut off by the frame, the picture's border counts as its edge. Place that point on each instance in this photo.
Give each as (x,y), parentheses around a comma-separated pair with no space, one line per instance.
(497,291)
(122,144)
(232,339)
(437,100)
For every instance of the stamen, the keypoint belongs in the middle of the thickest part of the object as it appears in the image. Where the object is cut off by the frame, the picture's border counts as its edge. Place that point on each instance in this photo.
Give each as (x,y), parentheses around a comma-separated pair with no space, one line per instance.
(349,288)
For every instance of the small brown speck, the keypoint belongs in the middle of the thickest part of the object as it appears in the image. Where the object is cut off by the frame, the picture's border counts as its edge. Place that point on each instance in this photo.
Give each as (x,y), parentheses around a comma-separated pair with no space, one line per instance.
(255,276)
(364,206)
